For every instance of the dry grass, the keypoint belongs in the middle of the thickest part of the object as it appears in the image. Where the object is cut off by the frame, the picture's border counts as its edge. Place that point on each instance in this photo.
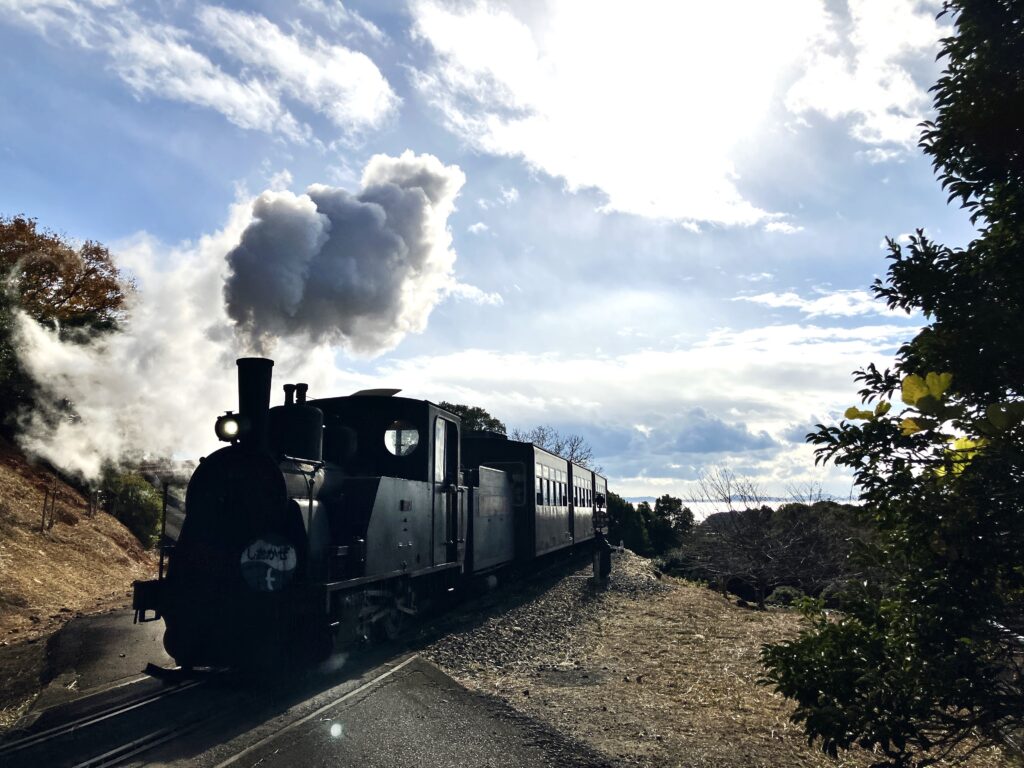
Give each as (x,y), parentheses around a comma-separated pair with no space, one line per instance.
(81,565)
(664,678)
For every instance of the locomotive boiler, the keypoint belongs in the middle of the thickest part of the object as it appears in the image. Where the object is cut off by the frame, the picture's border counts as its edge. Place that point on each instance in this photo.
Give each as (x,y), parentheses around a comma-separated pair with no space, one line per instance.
(327,521)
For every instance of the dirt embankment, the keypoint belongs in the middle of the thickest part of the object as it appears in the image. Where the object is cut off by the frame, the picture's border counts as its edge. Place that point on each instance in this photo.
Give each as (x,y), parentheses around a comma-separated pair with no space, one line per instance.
(82,564)
(652,672)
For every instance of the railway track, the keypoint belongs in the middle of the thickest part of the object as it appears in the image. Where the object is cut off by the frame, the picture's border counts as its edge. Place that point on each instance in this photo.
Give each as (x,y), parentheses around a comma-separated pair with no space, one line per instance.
(97,737)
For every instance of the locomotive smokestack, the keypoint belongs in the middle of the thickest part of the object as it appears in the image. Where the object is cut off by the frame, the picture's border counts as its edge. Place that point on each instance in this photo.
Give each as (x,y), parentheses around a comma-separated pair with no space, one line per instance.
(254,397)
(289,394)
(300,393)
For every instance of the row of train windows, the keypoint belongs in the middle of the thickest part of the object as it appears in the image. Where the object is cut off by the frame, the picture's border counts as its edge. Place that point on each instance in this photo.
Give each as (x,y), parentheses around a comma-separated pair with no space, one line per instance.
(552,489)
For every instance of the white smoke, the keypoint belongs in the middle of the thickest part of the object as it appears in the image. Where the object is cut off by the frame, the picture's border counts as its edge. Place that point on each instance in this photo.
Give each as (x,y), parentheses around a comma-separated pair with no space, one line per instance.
(356,270)
(321,268)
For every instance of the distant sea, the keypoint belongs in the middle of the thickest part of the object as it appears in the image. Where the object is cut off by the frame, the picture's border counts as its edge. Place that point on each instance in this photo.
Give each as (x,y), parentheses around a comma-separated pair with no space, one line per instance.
(702,509)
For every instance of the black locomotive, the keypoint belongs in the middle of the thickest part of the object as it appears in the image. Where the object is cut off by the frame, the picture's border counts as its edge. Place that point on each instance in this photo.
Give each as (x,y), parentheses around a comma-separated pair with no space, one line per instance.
(329,521)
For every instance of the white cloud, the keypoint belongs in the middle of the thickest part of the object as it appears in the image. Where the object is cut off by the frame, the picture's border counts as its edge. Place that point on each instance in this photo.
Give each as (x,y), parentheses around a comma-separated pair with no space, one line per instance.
(342,84)
(858,69)
(783,227)
(648,110)
(478,228)
(650,102)
(155,61)
(831,304)
(472,293)
(161,60)
(341,18)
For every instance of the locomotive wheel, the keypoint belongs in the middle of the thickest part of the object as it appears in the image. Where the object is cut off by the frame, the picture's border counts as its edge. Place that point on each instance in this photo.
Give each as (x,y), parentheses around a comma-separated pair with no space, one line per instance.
(385,611)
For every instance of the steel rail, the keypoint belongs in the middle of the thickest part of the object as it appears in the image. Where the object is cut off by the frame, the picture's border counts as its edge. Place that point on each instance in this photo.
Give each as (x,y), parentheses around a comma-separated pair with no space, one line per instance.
(35,739)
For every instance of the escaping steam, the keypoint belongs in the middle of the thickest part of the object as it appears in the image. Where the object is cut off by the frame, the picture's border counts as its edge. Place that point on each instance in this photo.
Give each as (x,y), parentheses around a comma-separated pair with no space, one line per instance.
(322,269)
(356,270)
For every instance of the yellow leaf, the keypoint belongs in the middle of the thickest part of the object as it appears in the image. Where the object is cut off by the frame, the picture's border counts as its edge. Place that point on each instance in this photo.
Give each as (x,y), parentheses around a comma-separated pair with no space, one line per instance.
(882,408)
(913,389)
(909,427)
(963,452)
(938,383)
(853,412)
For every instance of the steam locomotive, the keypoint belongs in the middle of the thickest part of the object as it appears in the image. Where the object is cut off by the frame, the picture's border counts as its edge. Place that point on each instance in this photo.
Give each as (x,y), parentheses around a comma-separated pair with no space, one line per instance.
(328,521)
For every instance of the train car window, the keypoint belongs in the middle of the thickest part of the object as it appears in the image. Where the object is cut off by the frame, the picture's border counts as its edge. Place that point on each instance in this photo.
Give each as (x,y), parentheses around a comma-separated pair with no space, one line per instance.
(565,496)
(440,461)
(540,490)
(401,438)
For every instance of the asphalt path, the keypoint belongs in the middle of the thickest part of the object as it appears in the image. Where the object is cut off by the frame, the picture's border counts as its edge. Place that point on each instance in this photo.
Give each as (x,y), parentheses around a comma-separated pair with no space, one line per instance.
(414,715)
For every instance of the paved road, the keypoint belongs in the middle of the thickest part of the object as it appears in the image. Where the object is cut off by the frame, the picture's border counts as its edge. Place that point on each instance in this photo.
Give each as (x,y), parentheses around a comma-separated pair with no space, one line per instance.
(416,716)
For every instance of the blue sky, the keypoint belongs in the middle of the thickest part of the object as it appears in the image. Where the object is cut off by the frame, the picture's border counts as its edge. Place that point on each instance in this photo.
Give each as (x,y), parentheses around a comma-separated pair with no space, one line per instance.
(662,235)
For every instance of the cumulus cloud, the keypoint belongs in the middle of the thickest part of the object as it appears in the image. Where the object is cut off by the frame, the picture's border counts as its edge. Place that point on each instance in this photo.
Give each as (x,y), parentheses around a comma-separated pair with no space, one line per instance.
(478,228)
(158,59)
(357,270)
(833,304)
(653,113)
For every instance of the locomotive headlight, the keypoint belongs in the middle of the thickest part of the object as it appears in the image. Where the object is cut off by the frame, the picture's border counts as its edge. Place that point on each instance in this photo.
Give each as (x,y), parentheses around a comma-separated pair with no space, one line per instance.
(228,427)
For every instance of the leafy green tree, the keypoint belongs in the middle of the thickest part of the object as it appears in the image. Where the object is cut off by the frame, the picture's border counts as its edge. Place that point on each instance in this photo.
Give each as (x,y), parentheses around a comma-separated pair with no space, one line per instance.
(670,522)
(928,659)
(627,524)
(474,417)
(128,497)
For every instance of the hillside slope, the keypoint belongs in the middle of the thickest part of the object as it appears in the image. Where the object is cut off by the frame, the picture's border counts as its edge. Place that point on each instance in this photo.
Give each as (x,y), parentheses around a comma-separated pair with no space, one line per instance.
(82,564)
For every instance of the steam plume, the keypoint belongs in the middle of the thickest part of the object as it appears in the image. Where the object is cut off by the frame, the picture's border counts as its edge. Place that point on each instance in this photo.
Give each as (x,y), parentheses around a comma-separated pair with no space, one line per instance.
(322,268)
(357,270)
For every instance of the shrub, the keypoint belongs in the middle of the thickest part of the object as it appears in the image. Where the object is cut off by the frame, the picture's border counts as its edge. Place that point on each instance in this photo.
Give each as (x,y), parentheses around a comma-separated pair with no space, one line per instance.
(133,501)
(786,596)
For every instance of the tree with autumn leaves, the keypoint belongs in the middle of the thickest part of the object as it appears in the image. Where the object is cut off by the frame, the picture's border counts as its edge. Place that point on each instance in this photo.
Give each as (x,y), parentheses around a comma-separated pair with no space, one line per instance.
(75,288)
(928,657)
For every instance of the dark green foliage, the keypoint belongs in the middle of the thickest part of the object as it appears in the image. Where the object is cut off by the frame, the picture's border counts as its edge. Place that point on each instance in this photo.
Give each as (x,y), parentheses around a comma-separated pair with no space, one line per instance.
(17,389)
(626,524)
(669,523)
(474,417)
(928,658)
(133,501)
(784,595)
(648,531)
